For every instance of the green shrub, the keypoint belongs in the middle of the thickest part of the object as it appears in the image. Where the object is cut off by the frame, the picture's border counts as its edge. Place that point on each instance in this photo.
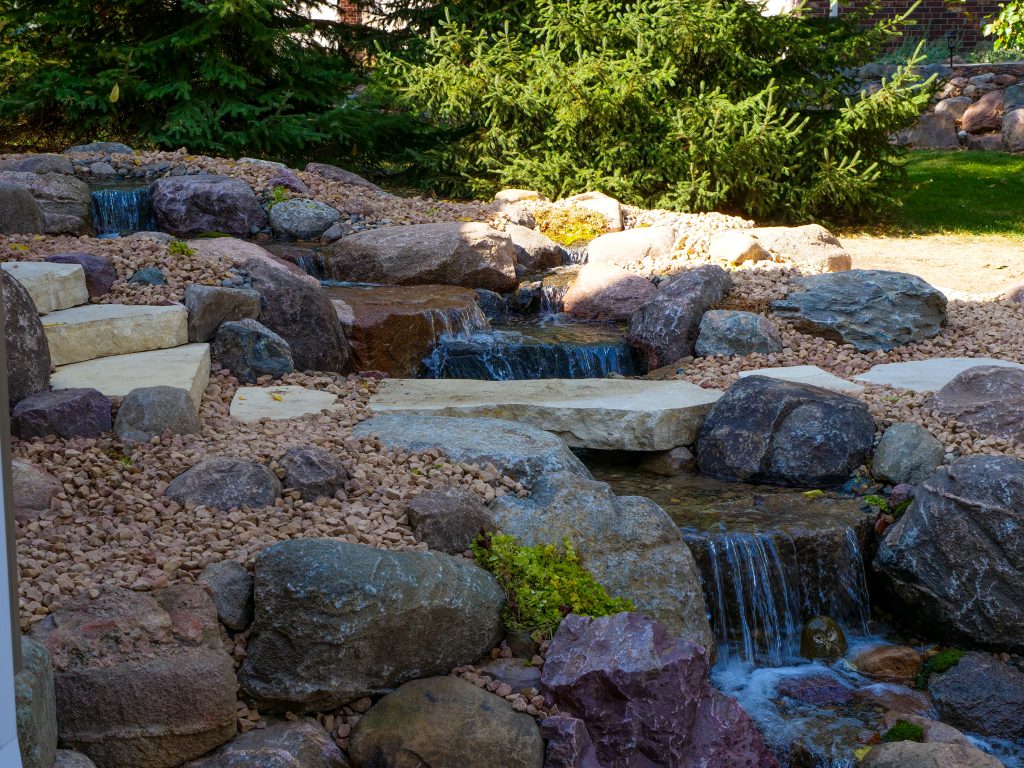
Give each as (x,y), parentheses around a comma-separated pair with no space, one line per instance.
(543,584)
(1008,26)
(279,195)
(180,248)
(570,225)
(881,504)
(904,731)
(943,661)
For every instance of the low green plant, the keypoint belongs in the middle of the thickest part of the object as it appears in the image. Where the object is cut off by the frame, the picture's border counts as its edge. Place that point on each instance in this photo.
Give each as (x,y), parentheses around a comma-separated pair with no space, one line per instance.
(279,195)
(543,583)
(903,730)
(882,505)
(937,663)
(570,225)
(180,248)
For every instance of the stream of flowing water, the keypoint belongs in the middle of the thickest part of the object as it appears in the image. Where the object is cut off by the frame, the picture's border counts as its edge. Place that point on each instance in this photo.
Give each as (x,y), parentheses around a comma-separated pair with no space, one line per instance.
(120,209)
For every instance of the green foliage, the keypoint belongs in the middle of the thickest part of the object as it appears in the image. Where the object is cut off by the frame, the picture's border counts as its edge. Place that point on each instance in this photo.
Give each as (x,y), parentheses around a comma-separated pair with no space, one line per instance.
(1008,26)
(881,504)
(180,248)
(903,730)
(937,663)
(279,195)
(570,225)
(543,584)
(683,104)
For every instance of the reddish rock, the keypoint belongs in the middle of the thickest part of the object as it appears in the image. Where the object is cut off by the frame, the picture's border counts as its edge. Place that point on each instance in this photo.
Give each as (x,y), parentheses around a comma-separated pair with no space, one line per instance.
(889,662)
(986,142)
(33,489)
(99,270)
(645,696)
(988,398)
(986,114)
(607,292)
(65,413)
(568,743)
(822,690)
(28,352)
(239,252)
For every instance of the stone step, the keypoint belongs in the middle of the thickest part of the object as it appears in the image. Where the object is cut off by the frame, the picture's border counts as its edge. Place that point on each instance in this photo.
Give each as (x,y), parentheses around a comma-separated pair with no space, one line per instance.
(51,286)
(604,414)
(284,402)
(101,330)
(927,375)
(808,374)
(186,367)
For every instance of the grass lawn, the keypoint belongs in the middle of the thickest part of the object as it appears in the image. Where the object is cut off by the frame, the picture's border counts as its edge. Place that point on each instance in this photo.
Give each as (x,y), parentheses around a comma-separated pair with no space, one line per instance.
(968,193)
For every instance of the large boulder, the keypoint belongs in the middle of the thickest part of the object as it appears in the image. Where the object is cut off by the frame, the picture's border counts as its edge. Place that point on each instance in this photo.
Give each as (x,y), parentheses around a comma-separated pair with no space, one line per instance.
(982,695)
(302,219)
(987,398)
(641,247)
(33,488)
(472,255)
(446,721)
(209,305)
(187,206)
(665,327)
(772,431)
(628,543)
(338,621)
(301,743)
(448,519)
(645,696)
(728,332)
(42,163)
(606,292)
(313,472)
(65,200)
(811,248)
(65,413)
(910,754)
(534,251)
(1012,133)
(35,706)
(100,147)
(28,352)
(525,453)
(100,274)
(142,680)
(934,130)
(986,114)
(249,350)
(20,214)
(301,313)
(147,412)
(907,453)
(334,173)
(868,308)
(224,483)
(568,743)
(952,564)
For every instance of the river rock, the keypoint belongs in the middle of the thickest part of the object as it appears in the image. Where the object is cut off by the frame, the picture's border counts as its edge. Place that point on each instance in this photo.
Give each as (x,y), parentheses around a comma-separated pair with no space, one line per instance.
(568,743)
(337,621)
(822,638)
(334,173)
(100,274)
(907,453)
(35,706)
(34,487)
(28,352)
(645,696)
(209,305)
(66,413)
(20,214)
(642,247)
(951,565)
(628,543)
(773,431)
(65,201)
(224,483)
(187,206)
(986,114)
(286,178)
(606,292)
(249,350)
(159,657)
(302,219)
(736,247)
(981,695)
(811,247)
(471,254)
(448,519)
(301,743)
(534,251)
(47,162)
(728,332)
(298,310)
(987,398)
(889,662)
(909,754)
(525,453)
(148,412)
(313,472)
(446,721)
(868,308)
(665,327)
(231,588)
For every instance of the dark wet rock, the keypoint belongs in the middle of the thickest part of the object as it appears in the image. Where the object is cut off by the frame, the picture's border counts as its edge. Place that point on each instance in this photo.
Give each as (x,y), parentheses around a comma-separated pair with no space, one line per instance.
(670,463)
(665,327)
(300,743)
(568,743)
(65,201)
(35,707)
(187,206)
(448,519)
(821,690)
(41,163)
(822,638)
(988,398)
(224,483)
(302,219)
(28,352)
(445,721)
(34,488)
(249,350)
(951,565)
(208,306)
(645,696)
(728,332)
(66,413)
(147,412)
(231,587)
(519,674)
(981,695)
(20,214)
(313,472)
(907,453)
(774,431)
(868,308)
(492,305)
(147,276)
(100,274)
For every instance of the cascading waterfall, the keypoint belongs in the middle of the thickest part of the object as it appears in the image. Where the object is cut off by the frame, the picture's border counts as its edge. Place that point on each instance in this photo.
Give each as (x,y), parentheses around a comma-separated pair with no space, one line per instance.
(122,210)
(458,322)
(575,255)
(552,299)
(312,264)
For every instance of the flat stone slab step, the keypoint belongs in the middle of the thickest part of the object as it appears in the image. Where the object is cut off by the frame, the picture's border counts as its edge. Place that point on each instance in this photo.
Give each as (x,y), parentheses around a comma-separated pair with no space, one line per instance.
(51,286)
(186,367)
(284,402)
(102,330)
(604,414)
(808,374)
(927,375)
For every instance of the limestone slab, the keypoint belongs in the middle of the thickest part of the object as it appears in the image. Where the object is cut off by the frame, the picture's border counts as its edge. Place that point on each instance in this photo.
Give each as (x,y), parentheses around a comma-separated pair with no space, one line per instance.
(284,402)
(927,375)
(604,414)
(102,330)
(807,374)
(51,286)
(186,367)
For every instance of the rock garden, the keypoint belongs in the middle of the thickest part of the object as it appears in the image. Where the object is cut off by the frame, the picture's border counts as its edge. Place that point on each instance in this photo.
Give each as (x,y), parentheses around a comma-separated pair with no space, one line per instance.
(310,474)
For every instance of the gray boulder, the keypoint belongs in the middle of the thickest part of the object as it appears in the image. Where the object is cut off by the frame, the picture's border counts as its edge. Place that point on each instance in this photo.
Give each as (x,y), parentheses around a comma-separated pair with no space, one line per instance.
(147,411)
(208,306)
(522,452)
(35,706)
(334,173)
(65,200)
(665,327)
(811,248)
(981,695)
(231,587)
(187,206)
(628,543)
(766,430)
(534,251)
(472,255)
(641,246)
(249,350)
(20,214)
(868,308)
(907,453)
(28,352)
(68,759)
(951,565)
(446,721)
(41,163)
(987,398)
(727,332)
(448,519)
(299,743)
(66,413)
(313,472)
(338,621)
(302,219)
(100,147)
(147,276)
(100,274)
(934,130)
(224,483)
(1012,133)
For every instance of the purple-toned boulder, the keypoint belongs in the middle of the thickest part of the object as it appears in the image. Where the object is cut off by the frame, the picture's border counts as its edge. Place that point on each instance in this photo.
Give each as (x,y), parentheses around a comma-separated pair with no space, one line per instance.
(607,292)
(191,205)
(65,413)
(99,270)
(645,697)
(287,179)
(569,743)
(28,353)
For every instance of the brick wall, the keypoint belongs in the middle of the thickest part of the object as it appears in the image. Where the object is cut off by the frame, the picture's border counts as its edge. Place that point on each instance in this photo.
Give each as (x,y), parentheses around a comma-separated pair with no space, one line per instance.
(349,13)
(932,19)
